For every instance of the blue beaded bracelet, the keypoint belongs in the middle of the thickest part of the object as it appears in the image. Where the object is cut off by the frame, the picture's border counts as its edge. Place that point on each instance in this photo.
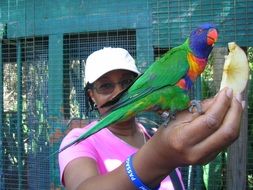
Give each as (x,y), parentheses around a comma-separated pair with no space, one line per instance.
(134,177)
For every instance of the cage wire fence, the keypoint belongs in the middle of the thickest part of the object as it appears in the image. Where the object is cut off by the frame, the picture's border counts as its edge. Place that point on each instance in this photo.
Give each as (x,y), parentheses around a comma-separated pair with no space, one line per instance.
(44,46)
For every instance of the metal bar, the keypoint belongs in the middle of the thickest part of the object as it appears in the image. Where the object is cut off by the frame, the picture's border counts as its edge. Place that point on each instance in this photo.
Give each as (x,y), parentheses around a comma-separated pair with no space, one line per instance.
(1,118)
(19,116)
(55,98)
(198,90)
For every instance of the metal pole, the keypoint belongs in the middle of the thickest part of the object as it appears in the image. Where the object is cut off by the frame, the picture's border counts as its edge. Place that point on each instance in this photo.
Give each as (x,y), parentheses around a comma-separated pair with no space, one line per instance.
(1,118)
(19,116)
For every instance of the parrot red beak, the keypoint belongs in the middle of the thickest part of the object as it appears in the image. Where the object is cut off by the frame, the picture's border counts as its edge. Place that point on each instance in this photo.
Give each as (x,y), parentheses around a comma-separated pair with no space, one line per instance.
(212,36)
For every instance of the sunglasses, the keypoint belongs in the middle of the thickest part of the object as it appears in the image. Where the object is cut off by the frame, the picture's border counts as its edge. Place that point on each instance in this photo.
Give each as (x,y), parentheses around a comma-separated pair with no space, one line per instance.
(107,87)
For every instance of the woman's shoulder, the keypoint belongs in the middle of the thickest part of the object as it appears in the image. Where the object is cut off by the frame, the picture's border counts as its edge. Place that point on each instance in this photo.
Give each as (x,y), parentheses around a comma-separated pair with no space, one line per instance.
(76,128)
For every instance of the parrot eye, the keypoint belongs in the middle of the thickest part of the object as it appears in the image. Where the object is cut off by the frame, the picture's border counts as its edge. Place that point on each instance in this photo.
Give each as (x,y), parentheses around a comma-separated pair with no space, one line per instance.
(199,31)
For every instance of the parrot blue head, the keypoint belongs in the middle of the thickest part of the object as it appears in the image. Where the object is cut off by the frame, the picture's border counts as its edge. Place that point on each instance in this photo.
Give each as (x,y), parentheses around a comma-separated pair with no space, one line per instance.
(202,40)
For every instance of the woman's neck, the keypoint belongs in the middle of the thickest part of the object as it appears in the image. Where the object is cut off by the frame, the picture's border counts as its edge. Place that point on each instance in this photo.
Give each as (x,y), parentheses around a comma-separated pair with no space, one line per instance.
(129,132)
(127,128)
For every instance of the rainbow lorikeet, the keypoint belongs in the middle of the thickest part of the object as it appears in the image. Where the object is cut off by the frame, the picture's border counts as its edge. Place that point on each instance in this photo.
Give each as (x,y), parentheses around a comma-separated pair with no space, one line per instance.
(164,85)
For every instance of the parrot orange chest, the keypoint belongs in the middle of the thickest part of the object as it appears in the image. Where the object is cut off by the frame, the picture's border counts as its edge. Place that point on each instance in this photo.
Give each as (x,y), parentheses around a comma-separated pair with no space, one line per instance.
(196,67)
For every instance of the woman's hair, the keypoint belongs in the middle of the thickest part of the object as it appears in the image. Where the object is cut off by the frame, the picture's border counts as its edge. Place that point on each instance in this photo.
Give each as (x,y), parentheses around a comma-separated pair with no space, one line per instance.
(89,104)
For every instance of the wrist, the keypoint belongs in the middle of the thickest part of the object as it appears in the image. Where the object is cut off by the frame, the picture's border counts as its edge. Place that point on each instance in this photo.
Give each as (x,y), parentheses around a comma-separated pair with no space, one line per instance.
(135,179)
(146,160)
(162,152)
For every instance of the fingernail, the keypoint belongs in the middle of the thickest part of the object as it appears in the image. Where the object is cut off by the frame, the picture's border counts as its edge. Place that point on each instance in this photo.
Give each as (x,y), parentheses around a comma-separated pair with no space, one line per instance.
(229,92)
(239,97)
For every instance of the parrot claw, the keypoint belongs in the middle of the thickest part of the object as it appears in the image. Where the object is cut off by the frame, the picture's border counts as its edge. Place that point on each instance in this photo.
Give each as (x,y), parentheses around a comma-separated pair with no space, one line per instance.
(167,117)
(165,114)
(196,105)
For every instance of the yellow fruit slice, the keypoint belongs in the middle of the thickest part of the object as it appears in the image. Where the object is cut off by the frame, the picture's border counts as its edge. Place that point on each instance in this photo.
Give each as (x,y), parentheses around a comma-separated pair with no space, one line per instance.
(236,69)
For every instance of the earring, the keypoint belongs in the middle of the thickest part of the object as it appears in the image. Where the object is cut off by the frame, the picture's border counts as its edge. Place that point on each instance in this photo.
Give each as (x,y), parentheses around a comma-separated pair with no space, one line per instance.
(95,105)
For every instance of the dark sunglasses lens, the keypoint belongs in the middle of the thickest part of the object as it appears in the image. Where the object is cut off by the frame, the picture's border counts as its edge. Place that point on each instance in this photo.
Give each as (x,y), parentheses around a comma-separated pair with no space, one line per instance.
(125,83)
(108,87)
(105,88)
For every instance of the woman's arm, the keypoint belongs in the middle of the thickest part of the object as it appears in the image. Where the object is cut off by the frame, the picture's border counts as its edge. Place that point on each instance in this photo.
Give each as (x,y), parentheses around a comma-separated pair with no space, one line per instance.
(189,139)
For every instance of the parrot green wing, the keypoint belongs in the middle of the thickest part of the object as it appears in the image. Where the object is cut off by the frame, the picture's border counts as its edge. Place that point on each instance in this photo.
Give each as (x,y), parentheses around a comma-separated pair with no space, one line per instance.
(166,71)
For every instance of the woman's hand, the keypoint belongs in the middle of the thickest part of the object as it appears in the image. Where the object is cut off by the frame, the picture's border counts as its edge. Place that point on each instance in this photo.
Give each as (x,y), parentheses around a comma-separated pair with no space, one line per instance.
(197,139)
(192,138)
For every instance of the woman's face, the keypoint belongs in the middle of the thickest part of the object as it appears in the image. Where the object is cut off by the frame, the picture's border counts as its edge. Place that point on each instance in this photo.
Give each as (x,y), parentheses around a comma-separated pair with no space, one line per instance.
(110,85)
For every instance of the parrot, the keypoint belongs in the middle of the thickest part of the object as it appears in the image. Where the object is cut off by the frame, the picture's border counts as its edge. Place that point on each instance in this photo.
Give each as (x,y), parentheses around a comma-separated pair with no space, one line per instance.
(164,85)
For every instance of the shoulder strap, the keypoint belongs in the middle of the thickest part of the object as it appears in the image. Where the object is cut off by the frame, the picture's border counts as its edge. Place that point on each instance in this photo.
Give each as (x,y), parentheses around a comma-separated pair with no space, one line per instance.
(175,180)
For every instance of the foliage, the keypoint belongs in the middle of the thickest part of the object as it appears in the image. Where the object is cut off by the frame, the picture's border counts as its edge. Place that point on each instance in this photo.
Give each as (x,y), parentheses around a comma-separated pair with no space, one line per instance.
(250,120)
(207,81)
(25,128)
(10,86)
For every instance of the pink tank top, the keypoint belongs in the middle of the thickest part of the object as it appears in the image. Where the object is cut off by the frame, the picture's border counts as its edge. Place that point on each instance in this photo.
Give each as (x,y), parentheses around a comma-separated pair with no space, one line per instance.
(105,148)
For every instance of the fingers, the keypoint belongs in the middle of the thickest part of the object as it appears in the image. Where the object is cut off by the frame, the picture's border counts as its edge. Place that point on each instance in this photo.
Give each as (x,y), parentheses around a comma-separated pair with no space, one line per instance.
(205,125)
(227,133)
(199,138)
(186,116)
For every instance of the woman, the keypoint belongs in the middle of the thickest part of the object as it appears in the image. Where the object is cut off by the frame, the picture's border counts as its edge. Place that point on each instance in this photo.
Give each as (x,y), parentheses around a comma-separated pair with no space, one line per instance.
(102,161)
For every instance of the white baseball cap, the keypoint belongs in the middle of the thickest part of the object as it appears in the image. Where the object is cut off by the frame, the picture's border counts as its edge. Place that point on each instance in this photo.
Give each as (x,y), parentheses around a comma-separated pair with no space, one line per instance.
(108,59)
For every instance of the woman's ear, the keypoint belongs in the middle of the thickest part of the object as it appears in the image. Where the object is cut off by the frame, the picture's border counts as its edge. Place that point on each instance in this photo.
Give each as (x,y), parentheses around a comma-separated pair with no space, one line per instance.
(91,95)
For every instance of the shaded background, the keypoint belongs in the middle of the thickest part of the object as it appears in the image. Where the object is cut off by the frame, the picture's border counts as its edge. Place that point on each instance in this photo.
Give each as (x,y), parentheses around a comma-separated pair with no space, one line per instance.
(43,48)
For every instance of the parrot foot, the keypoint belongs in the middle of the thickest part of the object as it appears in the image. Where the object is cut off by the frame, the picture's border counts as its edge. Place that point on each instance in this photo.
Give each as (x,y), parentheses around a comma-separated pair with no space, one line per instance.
(196,105)
(167,117)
